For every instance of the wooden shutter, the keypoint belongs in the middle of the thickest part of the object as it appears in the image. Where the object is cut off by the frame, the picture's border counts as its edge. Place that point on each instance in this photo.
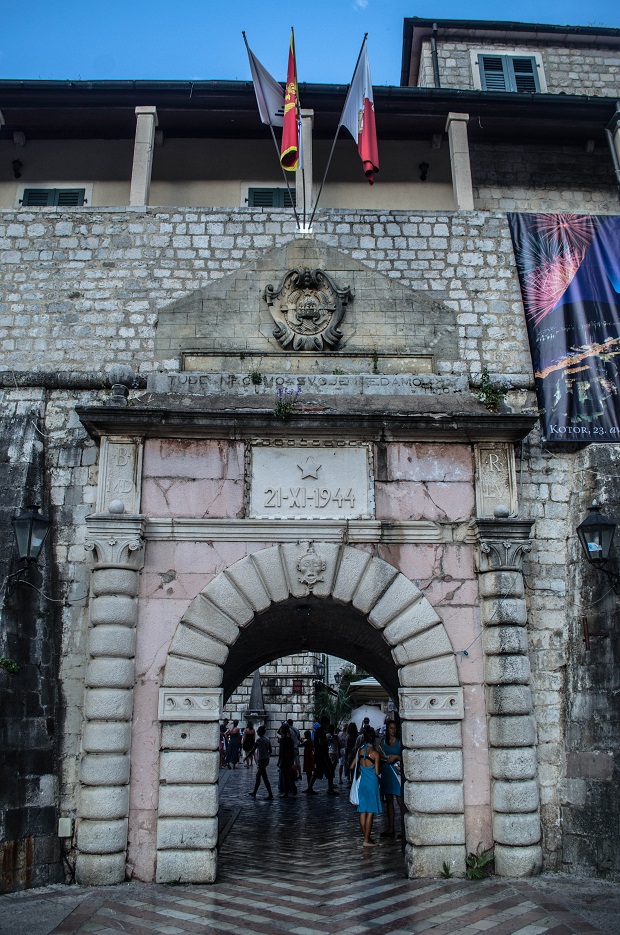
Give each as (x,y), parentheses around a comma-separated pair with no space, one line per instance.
(271,198)
(524,73)
(492,72)
(508,73)
(63,197)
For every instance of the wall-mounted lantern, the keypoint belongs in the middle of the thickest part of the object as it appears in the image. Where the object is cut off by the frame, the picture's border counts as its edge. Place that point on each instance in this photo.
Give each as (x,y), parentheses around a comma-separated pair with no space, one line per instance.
(596,535)
(30,529)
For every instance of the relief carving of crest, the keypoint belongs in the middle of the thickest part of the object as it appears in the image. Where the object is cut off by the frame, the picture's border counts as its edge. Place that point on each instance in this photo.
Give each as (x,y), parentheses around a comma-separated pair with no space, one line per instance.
(307,309)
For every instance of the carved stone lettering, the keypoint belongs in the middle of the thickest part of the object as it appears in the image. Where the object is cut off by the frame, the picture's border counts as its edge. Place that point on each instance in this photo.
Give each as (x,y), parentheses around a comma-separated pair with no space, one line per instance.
(495,478)
(292,483)
(120,474)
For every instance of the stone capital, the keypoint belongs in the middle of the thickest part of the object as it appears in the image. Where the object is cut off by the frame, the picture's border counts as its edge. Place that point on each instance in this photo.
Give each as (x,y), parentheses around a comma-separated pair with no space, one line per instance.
(116,540)
(502,543)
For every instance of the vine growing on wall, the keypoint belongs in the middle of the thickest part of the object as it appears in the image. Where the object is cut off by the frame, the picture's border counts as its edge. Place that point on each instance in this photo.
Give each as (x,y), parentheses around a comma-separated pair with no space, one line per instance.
(491,392)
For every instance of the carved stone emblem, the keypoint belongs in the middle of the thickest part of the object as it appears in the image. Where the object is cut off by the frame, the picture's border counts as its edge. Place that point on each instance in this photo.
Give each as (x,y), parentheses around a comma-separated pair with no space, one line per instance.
(310,567)
(307,308)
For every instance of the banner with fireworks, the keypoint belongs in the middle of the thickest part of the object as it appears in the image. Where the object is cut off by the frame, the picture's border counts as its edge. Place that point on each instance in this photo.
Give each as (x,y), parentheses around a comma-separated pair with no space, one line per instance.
(569,272)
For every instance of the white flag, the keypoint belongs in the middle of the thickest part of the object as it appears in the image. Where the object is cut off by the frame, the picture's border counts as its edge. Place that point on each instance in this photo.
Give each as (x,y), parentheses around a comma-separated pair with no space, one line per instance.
(269,94)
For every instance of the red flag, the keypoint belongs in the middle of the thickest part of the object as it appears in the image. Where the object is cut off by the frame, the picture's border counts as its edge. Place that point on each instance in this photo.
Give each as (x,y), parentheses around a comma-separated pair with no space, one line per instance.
(289,152)
(358,116)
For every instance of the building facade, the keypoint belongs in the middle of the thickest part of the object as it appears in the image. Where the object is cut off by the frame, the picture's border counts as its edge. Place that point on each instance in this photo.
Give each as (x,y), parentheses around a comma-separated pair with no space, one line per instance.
(255,441)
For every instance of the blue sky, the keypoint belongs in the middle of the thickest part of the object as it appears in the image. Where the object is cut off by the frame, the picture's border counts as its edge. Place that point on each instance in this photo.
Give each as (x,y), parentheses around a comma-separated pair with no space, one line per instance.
(201,39)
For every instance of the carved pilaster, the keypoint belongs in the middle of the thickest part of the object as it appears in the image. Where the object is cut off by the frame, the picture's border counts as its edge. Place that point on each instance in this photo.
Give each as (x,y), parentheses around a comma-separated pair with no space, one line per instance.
(512,734)
(116,541)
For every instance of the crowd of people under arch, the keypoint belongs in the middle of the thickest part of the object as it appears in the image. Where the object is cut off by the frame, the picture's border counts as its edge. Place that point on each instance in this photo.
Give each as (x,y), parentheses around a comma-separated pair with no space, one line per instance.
(367,761)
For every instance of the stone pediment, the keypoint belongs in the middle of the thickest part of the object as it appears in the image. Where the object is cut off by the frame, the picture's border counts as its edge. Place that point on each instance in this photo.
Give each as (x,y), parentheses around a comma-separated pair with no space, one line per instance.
(305,305)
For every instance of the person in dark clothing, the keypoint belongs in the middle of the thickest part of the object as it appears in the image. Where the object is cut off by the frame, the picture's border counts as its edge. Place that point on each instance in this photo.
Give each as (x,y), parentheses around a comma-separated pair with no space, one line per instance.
(286,761)
(263,752)
(323,767)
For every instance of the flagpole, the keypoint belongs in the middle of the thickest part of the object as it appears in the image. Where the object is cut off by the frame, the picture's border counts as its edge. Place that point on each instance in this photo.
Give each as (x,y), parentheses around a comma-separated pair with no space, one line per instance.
(275,143)
(300,131)
(331,152)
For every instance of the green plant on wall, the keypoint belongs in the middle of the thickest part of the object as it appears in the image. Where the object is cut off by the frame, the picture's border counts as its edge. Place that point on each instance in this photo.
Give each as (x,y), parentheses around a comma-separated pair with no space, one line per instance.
(286,400)
(491,392)
(9,664)
(256,377)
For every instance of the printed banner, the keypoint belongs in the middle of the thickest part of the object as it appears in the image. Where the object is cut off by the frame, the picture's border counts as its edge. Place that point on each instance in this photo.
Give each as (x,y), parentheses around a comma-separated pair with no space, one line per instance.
(569,272)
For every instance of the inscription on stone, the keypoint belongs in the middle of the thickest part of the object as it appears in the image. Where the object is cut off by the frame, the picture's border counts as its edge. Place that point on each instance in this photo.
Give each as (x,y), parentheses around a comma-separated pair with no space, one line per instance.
(119,474)
(495,478)
(325,483)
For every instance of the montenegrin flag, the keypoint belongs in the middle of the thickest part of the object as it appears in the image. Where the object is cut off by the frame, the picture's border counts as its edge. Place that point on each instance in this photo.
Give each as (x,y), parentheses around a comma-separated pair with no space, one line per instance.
(289,152)
(358,116)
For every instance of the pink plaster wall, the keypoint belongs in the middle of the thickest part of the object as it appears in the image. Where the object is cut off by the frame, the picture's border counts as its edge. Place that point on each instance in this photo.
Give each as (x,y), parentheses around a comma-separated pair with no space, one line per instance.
(446,575)
(184,477)
(424,481)
(174,573)
(205,478)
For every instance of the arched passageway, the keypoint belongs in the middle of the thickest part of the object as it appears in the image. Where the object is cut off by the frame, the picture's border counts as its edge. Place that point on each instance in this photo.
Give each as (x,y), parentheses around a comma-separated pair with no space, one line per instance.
(353,605)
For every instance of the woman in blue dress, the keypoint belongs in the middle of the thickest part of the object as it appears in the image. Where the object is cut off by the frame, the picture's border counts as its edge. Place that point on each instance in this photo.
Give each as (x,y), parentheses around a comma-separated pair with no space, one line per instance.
(391,785)
(368,761)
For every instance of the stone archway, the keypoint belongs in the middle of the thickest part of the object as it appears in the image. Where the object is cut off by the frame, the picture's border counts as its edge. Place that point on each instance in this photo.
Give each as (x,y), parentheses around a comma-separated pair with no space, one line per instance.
(430,699)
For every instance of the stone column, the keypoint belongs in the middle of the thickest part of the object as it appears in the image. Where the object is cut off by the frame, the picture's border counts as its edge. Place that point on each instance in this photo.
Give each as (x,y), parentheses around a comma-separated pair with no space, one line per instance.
(456,127)
(146,123)
(117,541)
(433,792)
(512,731)
(188,793)
(304,179)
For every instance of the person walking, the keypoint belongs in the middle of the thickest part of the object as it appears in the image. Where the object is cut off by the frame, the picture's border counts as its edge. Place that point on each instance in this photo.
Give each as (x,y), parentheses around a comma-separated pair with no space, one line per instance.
(391,779)
(307,746)
(322,763)
(248,743)
(263,752)
(350,748)
(286,762)
(233,745)
(368,761)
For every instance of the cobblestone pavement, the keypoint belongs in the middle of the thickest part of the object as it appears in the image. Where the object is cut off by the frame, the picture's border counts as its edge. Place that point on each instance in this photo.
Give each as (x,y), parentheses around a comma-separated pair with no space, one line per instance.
(296,866)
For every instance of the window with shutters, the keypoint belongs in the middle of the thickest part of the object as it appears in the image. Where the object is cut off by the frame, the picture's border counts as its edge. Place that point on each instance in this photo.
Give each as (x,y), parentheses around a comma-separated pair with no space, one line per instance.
(62,197)
(271,198)
(520,73)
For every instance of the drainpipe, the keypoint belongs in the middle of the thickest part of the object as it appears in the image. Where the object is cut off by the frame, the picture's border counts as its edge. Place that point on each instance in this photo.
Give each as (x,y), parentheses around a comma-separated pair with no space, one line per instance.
(612,132)
(434,56)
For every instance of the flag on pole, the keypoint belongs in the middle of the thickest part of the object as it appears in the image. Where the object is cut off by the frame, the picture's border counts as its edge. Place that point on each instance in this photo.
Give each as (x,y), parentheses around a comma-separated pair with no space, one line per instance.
(269,94)
(358,116)
(289,152)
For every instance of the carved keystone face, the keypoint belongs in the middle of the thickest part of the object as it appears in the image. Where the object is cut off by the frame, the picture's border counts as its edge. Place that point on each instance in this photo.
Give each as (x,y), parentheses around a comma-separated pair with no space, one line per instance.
(310,567)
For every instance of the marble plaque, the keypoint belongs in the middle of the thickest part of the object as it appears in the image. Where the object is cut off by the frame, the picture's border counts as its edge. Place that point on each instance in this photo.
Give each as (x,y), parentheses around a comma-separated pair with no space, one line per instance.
(120,473)
(310,483)
(495,478)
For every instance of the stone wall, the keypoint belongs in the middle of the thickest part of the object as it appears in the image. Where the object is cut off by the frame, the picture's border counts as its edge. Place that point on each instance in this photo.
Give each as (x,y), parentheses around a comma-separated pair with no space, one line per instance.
(552,179)
(85,287)
(88,285)
(30,718)
(583,70)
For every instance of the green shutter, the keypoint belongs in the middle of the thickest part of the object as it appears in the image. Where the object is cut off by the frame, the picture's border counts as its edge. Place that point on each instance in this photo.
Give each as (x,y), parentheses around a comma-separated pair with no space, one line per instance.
(63,197)
(492,73)
(271,198)
(525,73)
(508,73)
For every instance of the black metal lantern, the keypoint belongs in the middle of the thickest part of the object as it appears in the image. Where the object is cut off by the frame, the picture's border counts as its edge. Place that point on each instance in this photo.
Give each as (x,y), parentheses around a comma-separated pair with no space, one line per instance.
(320,670)
(596,535)
(31,529)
